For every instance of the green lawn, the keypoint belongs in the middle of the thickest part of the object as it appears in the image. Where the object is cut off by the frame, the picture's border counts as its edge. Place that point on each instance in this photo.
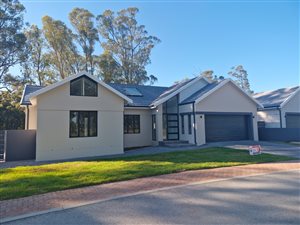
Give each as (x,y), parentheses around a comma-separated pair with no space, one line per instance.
(30,180)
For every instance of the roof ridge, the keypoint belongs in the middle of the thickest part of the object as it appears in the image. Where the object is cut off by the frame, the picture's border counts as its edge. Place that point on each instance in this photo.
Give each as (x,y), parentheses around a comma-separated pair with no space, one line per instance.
(291,87)
(140,85)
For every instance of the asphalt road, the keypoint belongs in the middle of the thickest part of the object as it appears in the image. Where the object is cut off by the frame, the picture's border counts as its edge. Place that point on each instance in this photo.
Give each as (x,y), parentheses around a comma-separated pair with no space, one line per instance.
(267,199)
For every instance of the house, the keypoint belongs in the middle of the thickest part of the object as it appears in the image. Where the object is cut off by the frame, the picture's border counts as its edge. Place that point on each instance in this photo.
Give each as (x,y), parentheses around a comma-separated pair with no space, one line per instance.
(82,116)
(281,108)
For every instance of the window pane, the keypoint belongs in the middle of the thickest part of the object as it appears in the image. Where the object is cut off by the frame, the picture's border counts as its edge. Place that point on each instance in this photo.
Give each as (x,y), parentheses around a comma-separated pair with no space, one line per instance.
(83,124)
(90,87)
(131,124)
(182,124)
(73,124)
(76,87)
(190,123)
(93,124)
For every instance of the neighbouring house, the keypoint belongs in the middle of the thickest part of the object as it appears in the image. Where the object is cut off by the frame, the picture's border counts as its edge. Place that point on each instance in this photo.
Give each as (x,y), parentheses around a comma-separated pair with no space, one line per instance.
(82,116)
(281,108)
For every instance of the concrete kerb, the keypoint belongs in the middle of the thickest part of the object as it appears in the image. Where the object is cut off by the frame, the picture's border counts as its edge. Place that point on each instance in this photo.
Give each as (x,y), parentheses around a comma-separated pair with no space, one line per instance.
(33,214)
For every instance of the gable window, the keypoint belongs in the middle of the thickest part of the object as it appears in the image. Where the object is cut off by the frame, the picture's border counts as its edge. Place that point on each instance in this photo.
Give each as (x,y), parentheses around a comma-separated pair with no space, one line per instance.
(182,124)
(83,86)
(83,123)
(190,123)
(131,124)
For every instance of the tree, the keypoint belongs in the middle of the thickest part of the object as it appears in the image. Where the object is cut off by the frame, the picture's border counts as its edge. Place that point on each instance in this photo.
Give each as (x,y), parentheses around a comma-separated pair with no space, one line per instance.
(208,74)
(109,69)
(86,34)
(128,42)
(12,39)
(240,76)
(63,52)
(37,66)
(11,114)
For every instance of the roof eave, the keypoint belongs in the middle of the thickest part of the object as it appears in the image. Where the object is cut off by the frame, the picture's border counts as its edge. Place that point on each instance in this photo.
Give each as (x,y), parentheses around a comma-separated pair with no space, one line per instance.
(156,103)
(289,98)
(221,85)
(57,84)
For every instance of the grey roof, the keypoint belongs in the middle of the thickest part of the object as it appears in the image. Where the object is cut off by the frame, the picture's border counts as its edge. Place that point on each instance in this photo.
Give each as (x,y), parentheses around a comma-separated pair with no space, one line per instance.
(149,93)
(274,98)
(172,89)
(201,92)
(27,91)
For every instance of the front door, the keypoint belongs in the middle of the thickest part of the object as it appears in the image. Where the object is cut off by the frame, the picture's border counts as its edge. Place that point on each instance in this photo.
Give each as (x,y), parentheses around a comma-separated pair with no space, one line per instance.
(172,126)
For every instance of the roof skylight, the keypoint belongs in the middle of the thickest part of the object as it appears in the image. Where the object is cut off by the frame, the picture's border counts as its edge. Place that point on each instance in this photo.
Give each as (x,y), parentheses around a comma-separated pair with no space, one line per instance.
(132,91)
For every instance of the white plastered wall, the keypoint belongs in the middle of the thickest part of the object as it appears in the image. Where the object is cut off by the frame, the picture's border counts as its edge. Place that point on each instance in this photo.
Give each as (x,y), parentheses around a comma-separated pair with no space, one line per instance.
(144,138)
(186,136)
(53,108)
(228,98)
(292,106)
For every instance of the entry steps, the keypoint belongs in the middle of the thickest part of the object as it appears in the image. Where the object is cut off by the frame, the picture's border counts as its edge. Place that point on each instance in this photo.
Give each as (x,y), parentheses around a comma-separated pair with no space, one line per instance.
(175,144)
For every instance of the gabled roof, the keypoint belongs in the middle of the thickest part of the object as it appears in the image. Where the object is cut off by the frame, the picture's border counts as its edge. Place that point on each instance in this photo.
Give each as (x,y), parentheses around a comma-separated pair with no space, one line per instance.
(175,89)
(211,88)
(149,93)
(200,93)
(52,86)
(29,89)
(276,98)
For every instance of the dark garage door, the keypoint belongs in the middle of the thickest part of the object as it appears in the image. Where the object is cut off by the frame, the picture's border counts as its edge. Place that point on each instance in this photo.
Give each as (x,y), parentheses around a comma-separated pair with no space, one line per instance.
(292,120)
(227,127)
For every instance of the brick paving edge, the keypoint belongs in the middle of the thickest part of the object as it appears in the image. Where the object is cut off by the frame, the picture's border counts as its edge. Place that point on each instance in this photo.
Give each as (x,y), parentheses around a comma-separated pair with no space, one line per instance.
(28,215)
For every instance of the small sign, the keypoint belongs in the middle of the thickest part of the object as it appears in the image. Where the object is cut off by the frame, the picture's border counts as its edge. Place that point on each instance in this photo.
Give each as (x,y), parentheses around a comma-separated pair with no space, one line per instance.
(255,150)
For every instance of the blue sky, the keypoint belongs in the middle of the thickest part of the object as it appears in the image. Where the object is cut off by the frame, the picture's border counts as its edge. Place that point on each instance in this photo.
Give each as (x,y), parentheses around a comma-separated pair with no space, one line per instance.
(263,36)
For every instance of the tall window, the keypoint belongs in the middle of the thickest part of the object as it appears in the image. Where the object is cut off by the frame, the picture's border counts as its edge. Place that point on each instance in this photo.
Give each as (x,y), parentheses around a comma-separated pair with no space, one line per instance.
(83,123)
(153,127)
(131,124)
(83,86)
(182,124)
(190,123)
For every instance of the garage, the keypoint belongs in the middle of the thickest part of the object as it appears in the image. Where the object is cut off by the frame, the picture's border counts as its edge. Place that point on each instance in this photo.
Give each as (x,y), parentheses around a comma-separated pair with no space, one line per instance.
(227,127)
(292,120)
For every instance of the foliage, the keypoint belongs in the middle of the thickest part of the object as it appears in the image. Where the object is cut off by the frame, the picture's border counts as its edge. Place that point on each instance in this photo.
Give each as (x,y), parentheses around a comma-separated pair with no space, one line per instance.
(11,114)
(109,69)
(30,180)
(209,74)
(86,34)
(128,42)
(63,51)
(12,39)
(37,67)
(240,76)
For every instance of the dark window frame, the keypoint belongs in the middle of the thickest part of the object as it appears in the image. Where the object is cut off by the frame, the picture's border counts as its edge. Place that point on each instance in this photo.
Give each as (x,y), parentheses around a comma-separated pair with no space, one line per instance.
(190,123)
(135,121)
(182,125)
(83,78)
(78,125)
(154,138)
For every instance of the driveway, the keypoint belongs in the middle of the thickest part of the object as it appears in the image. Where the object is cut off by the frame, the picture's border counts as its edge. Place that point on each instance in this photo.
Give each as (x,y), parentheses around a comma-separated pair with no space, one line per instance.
(262,199)
(268,147)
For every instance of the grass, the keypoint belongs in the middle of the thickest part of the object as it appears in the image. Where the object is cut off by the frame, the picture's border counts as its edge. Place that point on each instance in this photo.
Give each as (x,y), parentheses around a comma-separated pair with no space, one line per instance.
(30,180)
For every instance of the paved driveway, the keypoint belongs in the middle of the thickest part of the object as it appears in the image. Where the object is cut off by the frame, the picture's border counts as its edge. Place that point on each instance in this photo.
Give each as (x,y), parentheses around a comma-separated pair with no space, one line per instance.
(268,147)
(264,199)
